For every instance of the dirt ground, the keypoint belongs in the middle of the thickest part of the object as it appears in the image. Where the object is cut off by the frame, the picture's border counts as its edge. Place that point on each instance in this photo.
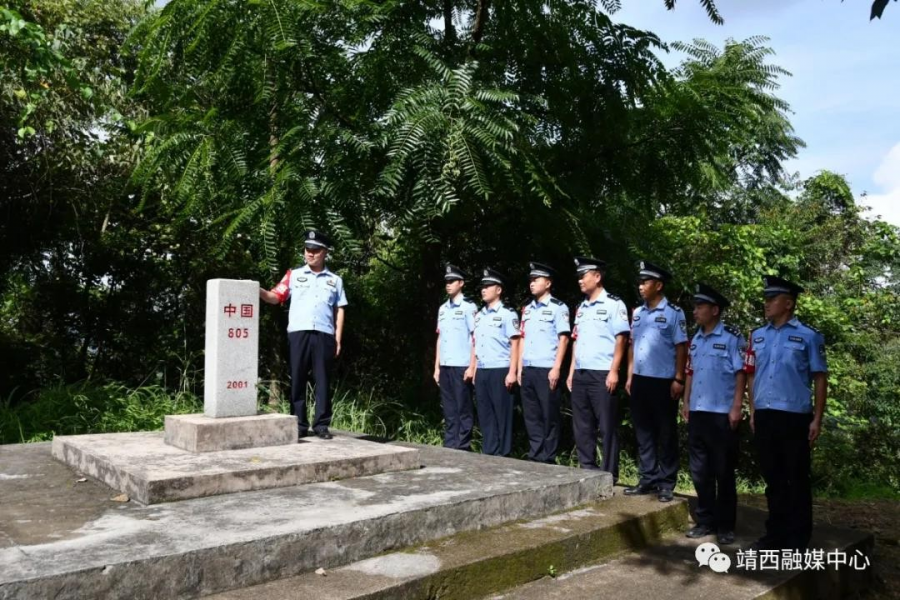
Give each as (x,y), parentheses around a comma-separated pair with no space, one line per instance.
(880,517)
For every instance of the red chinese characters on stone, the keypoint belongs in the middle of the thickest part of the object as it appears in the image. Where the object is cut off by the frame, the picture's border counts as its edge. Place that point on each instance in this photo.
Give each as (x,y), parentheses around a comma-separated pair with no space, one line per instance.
(230,309)
(246,311)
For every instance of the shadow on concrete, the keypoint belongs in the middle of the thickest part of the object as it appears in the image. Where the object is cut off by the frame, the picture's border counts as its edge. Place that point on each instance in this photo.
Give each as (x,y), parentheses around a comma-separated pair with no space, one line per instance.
(672,555)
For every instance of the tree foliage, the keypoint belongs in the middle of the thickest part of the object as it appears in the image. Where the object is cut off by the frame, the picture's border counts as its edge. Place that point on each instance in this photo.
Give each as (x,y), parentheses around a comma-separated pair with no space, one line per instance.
(216,131)
(877,10)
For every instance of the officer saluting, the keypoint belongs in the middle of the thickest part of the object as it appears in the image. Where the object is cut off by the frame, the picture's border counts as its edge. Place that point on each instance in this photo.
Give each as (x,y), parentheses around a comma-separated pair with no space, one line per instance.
(545,331)
(789,356)
(315,327)
(714,392)
(656,361)
(496,355)
(598,348)
(454,360)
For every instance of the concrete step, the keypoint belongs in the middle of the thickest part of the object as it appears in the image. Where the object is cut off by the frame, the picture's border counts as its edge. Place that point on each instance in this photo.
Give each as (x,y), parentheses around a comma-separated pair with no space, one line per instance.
(477,563)
(622,547)
(670,569)
(62,536)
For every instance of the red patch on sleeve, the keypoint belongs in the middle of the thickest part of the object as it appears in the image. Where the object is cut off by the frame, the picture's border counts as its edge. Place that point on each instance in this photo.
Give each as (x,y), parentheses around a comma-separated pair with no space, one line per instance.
(283,288)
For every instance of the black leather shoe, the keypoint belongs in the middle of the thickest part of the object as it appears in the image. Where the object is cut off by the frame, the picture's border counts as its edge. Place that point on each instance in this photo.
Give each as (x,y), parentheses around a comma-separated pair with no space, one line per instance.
(698,531)
(324,434)
(725,538)
(665,495)
(640,490)
(302,433)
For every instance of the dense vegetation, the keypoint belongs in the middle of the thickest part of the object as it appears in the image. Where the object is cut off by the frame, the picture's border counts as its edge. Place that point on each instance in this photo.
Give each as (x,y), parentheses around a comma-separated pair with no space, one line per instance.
(143,151)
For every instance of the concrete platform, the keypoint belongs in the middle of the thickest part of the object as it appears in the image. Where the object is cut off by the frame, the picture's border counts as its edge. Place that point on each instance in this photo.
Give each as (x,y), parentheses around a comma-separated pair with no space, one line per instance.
(60,538)
(150,471)
(199,433)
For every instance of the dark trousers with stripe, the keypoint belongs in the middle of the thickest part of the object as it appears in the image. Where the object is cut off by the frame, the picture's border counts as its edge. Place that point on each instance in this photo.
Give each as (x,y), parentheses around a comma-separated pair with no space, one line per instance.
(495,411)
(595,410)
(713,452)
(456,402)
(541,407)
(782,443)
(654,414)
(312,353)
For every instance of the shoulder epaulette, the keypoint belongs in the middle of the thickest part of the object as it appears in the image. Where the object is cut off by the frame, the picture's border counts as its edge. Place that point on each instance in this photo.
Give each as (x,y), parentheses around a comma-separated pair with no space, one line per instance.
(810,327)
(733,330)
(612,296)
(676,307)
(559,302)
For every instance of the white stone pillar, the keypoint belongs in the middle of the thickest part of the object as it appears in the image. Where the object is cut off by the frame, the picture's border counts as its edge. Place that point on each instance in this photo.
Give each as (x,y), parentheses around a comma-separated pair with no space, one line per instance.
(232,348)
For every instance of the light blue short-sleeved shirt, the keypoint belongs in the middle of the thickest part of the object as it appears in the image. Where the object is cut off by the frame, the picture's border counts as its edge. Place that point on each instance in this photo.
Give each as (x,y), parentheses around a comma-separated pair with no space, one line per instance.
(314,298)
(495,327)
(715,360)
(597,324)
(655,332)
(786,358)
(542,324)
(455,326)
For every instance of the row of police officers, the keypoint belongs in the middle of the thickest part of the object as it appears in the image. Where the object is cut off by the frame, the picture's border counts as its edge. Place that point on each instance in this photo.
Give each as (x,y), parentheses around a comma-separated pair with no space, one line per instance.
(495,348)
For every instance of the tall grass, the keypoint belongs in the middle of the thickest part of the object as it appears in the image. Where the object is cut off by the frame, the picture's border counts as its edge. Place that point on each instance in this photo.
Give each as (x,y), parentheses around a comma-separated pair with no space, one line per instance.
(364,412)
(90,408)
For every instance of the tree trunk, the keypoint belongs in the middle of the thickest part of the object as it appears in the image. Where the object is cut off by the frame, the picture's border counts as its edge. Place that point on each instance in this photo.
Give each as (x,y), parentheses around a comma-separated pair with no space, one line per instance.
(481,16)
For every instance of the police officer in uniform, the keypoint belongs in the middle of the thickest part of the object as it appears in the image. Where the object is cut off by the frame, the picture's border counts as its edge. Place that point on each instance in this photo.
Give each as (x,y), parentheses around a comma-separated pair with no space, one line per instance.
(454,360)
(656,361)
(790,367)
(598,349)
(315,327)
(713,395)
(545,337)
(496,354)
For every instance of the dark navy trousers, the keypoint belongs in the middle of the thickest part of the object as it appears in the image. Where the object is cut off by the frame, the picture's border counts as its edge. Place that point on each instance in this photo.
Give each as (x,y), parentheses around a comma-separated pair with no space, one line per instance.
(541,407)
(456,402)
(782,444)
(595,410)
(495,411)
(713,452)
(312,352)
(654,414)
